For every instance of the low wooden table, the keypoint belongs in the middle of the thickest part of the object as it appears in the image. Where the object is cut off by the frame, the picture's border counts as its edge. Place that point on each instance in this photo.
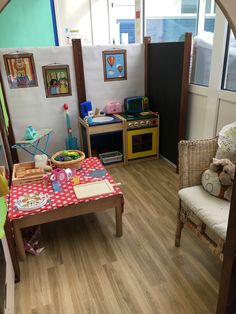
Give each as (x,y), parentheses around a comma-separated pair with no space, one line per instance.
(63,204)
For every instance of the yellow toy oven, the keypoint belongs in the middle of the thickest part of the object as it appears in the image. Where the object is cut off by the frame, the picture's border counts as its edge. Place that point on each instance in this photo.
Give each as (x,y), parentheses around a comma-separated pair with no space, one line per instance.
(142,142)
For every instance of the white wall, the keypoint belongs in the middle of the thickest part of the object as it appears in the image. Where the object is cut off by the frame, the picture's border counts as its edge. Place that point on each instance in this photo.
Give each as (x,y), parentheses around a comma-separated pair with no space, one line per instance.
(227,113)
(196,109)
(29,106)
(98,91)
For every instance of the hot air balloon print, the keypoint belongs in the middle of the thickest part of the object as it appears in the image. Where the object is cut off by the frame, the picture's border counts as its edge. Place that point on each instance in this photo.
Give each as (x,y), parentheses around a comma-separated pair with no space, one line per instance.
(114,65)
(119,68)
(111,60)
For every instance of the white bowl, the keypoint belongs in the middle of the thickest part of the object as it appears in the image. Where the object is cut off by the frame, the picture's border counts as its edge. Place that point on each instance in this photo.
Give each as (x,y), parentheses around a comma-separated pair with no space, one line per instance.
(102,119)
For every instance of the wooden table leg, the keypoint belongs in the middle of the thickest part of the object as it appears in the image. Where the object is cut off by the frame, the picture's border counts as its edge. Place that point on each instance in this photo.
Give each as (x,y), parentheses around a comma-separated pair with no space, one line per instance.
(119,210)
(19,241)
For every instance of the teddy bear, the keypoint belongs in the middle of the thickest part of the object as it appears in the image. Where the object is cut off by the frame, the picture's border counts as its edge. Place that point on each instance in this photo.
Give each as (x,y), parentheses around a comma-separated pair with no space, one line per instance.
(218,179)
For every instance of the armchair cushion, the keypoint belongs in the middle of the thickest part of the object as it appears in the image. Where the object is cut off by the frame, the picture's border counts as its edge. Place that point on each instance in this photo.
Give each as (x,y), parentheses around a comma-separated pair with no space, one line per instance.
(211,183)
(214,212)
(227,143)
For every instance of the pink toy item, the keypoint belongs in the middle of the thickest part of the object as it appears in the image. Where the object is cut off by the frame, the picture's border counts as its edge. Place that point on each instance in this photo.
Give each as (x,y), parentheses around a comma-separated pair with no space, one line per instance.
(46,180)
(59,174)
(62,175)
(113,107)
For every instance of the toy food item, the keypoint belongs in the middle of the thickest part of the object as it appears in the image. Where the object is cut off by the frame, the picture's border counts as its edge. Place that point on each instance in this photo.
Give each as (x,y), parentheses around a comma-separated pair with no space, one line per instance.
(68,159)
(68,155)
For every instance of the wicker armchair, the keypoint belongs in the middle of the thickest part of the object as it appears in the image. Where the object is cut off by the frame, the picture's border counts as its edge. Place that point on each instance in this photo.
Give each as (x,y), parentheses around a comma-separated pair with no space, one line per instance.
(204,214)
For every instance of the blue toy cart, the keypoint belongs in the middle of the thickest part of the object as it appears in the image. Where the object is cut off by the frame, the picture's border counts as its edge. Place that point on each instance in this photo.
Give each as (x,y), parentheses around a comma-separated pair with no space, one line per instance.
(32,146)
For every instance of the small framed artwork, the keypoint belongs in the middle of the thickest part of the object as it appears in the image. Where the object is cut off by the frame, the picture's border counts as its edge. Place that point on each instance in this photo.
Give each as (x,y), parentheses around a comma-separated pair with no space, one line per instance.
(20,70)
(57,80)
(114,65)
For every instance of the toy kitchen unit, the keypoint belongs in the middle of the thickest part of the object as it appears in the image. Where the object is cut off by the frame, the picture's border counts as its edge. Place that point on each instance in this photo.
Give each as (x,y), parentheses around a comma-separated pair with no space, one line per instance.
(121,137)
(102,135)
(141,128)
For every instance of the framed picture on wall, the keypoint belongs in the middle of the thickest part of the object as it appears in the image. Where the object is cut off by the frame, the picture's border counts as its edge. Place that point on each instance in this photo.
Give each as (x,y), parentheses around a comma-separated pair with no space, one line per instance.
(20,70)
(57,80)
(114,65)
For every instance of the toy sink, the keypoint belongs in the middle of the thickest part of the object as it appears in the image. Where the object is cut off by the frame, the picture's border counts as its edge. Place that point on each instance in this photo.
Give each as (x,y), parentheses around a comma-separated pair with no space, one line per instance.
(102,119)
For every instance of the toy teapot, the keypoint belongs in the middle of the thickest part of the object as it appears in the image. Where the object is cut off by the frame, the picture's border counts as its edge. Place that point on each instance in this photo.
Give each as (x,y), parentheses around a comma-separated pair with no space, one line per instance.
(30,133)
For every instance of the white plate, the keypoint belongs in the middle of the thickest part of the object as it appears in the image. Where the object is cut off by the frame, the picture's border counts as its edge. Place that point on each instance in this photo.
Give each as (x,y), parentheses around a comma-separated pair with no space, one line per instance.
(102,119)
(29,202)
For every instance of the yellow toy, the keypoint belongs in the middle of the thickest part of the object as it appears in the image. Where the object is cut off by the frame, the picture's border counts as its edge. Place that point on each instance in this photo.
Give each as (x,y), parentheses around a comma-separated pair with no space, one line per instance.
(3,205)
(72,154)
(4,189)
(76,180)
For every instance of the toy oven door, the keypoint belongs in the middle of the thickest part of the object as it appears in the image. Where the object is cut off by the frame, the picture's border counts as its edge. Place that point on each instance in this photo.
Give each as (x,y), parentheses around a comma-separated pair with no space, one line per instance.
(142,142)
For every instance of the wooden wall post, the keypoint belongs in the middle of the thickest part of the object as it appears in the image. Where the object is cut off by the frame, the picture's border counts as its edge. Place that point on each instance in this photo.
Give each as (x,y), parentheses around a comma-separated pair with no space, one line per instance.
(227,299)
(146,40)
(79,71)
(185,86)
(227,292)
(8,137)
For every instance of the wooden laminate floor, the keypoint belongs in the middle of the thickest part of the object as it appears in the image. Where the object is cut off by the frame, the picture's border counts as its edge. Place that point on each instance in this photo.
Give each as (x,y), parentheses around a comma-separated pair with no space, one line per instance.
(86,269)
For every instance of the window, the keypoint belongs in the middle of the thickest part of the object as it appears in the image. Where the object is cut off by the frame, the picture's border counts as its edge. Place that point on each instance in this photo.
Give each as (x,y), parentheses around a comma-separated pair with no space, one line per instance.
(208,6)
(229,77)
(169,20)
(210,10)
(123,21)
(203,43)
(189,6)
(164,20)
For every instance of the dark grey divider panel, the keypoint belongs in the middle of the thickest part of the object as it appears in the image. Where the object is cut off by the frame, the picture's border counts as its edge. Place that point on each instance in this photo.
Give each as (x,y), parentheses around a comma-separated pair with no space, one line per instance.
(165,71)
(2,279)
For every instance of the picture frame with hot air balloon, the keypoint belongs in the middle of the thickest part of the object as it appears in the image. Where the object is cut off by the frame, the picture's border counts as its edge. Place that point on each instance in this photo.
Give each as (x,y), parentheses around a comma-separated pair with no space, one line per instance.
(114,65)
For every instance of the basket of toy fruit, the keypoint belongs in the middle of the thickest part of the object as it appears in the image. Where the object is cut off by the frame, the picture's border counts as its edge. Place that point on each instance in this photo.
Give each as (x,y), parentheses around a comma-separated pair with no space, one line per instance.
(68,159)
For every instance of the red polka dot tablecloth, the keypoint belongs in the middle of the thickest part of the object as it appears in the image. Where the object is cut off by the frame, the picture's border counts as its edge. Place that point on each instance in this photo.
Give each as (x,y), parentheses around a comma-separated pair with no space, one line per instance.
(65,197)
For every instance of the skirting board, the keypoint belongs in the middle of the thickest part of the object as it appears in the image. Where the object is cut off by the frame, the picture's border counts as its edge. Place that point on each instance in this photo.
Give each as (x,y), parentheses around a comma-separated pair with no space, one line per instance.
(167,160)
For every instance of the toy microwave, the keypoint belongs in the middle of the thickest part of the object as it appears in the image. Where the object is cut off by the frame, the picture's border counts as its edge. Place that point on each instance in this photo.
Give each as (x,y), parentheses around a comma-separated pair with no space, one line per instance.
(136,104)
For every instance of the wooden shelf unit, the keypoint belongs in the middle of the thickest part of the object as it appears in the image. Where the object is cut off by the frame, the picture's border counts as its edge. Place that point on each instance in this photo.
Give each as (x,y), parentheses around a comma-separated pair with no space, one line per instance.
(102,129)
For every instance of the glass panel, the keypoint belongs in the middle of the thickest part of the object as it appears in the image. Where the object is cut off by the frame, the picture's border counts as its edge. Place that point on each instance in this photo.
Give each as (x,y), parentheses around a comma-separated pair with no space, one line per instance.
(230,74)
(208,6)
(209,23)
(202,47)
(141,142)
(201,59)
(189,6)
(165,21)
(123,21)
